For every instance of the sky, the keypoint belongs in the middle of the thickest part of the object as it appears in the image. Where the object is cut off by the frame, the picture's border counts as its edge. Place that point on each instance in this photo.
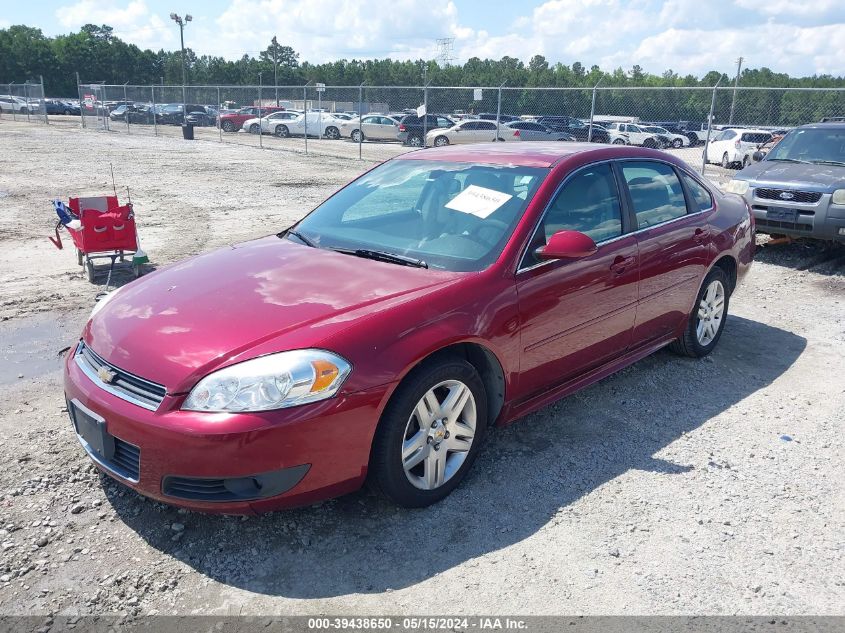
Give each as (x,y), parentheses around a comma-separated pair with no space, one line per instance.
(799,37)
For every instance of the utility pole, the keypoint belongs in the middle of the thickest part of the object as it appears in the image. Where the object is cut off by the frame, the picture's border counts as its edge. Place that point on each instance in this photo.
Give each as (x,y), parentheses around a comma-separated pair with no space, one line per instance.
(736,83)
(276,68)
(178,19)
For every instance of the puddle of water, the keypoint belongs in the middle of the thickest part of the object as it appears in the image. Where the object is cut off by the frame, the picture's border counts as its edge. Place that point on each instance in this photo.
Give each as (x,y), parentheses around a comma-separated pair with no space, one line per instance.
(30,349)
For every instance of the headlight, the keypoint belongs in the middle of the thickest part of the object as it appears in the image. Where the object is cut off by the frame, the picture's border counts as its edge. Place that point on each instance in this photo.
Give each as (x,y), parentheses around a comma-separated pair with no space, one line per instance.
(737,186)
(838,197)
(276,381)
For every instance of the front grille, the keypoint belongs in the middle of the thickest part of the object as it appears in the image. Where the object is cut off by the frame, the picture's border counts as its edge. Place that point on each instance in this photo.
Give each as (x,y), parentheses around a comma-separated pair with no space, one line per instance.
(126,460)
(124,385)
(801,197)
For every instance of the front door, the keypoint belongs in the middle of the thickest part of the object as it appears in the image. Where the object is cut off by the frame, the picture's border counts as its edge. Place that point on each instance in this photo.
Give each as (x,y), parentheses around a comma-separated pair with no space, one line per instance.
(578,314)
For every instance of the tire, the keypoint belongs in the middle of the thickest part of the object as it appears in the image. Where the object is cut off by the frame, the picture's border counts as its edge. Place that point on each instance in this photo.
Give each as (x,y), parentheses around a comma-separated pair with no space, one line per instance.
(415,141)
(441,141)
(619,141)
(357,136)
(254,128)
(692,343)
(66,112)
(282,131)
(726,164)
(442,440)
(745,162)
(332,133)
(677,143)
(89,271)
(650,142)
(228,126)
(79,258)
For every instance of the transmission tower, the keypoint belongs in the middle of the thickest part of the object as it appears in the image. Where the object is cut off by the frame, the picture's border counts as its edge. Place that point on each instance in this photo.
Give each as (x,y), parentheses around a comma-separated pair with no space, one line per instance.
(444,51)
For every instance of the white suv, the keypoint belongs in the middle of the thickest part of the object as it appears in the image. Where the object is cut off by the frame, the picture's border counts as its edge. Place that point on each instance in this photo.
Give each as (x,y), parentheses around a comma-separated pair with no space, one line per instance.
(636,135)
(16,104)
(728,147)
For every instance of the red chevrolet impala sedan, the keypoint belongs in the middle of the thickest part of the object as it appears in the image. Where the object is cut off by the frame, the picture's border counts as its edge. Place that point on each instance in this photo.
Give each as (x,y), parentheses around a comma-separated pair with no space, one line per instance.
(444,291)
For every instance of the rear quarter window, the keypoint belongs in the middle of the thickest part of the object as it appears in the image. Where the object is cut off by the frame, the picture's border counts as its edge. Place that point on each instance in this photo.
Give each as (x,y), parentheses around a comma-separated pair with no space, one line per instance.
(754,137)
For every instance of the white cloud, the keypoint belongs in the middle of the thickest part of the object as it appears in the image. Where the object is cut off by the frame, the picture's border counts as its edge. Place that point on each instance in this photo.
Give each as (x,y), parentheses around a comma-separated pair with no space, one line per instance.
(132,21)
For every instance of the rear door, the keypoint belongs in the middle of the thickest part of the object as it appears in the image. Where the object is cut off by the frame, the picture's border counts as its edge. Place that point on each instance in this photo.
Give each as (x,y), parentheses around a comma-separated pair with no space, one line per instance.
(578,314)
(673,237)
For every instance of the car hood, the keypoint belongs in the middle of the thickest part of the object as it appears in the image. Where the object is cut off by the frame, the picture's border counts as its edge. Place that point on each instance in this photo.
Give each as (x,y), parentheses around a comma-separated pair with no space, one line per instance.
(182,322)
(806,176)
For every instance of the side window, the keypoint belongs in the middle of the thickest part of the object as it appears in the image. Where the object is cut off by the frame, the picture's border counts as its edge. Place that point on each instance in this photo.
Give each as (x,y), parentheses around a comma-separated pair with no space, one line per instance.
(703,199)
(472,125)
(729,134)
(486,125)
(441,122)
(588,203)
(656,192)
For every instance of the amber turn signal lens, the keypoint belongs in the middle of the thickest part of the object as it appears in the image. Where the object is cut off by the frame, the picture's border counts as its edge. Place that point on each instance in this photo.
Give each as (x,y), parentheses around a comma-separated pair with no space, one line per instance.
(324,375)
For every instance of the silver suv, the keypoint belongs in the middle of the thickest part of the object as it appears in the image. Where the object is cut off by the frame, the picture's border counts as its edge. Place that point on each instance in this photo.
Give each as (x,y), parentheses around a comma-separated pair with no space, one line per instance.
(798,188)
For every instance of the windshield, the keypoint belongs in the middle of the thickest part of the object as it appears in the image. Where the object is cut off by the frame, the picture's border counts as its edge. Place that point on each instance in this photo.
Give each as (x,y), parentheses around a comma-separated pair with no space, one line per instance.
(811,145)
(453,216)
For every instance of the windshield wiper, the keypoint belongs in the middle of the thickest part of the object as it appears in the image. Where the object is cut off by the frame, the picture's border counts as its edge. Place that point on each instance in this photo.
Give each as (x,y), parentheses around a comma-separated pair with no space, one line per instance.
(298,236)
(790,160)
(828,162)
(383,256)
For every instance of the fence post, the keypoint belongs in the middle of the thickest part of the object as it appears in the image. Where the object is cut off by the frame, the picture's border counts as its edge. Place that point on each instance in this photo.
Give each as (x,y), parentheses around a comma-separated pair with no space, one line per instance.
(81,102)
(219,129)
(260,130)
(425,115)
(360,116)
(125,98)
(44,100)
(305,112)
(153,109)
(593,112)
(26,96)
(319,113)
(709,127)
(499,110)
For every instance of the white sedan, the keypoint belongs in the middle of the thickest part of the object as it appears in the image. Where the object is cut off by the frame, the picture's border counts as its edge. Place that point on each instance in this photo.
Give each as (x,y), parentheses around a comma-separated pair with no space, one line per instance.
(284,124)
(676,140)
(376,127)
(729,146)
(476,131)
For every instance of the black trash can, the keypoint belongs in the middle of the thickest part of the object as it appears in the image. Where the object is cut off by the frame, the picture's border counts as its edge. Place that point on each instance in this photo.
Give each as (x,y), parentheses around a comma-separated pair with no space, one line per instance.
(188,132)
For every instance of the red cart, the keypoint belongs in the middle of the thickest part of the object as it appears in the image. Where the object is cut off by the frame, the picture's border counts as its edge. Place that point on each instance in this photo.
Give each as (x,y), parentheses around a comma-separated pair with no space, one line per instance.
(107,231)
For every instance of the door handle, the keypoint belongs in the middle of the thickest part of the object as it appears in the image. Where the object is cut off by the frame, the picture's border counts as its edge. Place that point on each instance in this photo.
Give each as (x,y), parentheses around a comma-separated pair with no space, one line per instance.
(620,264)
(700,235)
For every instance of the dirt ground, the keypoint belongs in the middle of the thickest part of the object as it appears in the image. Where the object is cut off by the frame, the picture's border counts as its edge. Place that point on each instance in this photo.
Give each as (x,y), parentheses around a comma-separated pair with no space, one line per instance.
(675,486)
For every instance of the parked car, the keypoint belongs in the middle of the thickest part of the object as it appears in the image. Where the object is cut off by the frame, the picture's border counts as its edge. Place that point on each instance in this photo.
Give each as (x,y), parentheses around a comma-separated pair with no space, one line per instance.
(317,124)
(476,131)
(57,106)
(201,116)
(528,131)
(412,128)
(442,292)
(614,137)
(798,187)
(637,135)
(375,127)
(729,146)
(136,113)
(277,123)
(17,105)
(673,139)
(575,127)
(234,121)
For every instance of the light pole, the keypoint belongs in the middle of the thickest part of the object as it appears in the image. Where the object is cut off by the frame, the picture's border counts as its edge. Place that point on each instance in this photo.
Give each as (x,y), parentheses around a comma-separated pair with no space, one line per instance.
(276,68)
(178,19)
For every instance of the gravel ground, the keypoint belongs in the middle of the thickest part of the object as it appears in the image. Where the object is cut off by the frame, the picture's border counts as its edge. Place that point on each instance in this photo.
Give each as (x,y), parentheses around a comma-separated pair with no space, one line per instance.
(673,487)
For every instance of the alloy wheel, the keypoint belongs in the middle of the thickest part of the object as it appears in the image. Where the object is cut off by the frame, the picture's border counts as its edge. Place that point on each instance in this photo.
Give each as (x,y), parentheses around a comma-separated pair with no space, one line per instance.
(439,434)
(711,310)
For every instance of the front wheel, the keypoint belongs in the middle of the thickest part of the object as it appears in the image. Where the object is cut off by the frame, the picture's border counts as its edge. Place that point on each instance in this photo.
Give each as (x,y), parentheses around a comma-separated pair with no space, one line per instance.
(254,128)
(430,433)
(619,141)
(415,141)
(282,131)
(228,126)
(332,133)
(677,143)
(707,320)
(357,136)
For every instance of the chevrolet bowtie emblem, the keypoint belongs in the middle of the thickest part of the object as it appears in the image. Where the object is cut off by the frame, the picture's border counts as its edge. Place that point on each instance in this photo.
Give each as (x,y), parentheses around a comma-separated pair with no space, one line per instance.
(106,375)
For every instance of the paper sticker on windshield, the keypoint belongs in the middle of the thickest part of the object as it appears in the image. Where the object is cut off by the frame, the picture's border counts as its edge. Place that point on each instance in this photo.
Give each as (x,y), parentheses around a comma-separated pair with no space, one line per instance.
(478,201)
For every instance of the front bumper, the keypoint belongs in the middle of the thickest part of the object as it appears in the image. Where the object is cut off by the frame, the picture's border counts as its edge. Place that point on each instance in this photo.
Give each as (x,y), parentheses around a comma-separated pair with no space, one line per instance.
(203,461)
(819,220)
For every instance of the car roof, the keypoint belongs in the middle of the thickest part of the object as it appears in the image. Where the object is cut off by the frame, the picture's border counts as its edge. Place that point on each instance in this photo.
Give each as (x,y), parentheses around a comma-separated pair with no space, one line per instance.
(827,125)
(540,154)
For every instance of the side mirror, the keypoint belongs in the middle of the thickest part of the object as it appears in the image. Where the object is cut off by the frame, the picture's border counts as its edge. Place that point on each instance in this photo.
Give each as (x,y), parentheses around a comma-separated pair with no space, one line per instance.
(757,156)
(567,245)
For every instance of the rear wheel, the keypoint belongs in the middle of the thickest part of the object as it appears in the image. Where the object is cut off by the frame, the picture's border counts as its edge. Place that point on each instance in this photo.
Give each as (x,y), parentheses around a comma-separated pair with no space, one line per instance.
(332,133)
(707,320)
(254,128)
(415,141)
(228,126)
(677,143)
(357,136)
(89,271)
(619,141)
(282,131)
(430,433)
(440,141)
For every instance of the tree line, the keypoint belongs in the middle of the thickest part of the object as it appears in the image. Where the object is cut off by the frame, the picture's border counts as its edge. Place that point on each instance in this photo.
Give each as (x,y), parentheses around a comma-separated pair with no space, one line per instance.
(100,56)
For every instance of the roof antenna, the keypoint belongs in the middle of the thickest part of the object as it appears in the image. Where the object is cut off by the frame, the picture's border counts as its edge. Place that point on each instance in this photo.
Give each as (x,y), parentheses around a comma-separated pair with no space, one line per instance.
(113,186)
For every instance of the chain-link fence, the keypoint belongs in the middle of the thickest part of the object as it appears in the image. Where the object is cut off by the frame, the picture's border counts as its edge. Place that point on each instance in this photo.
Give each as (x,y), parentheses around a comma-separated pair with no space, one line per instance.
(377,122)
(23,102)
